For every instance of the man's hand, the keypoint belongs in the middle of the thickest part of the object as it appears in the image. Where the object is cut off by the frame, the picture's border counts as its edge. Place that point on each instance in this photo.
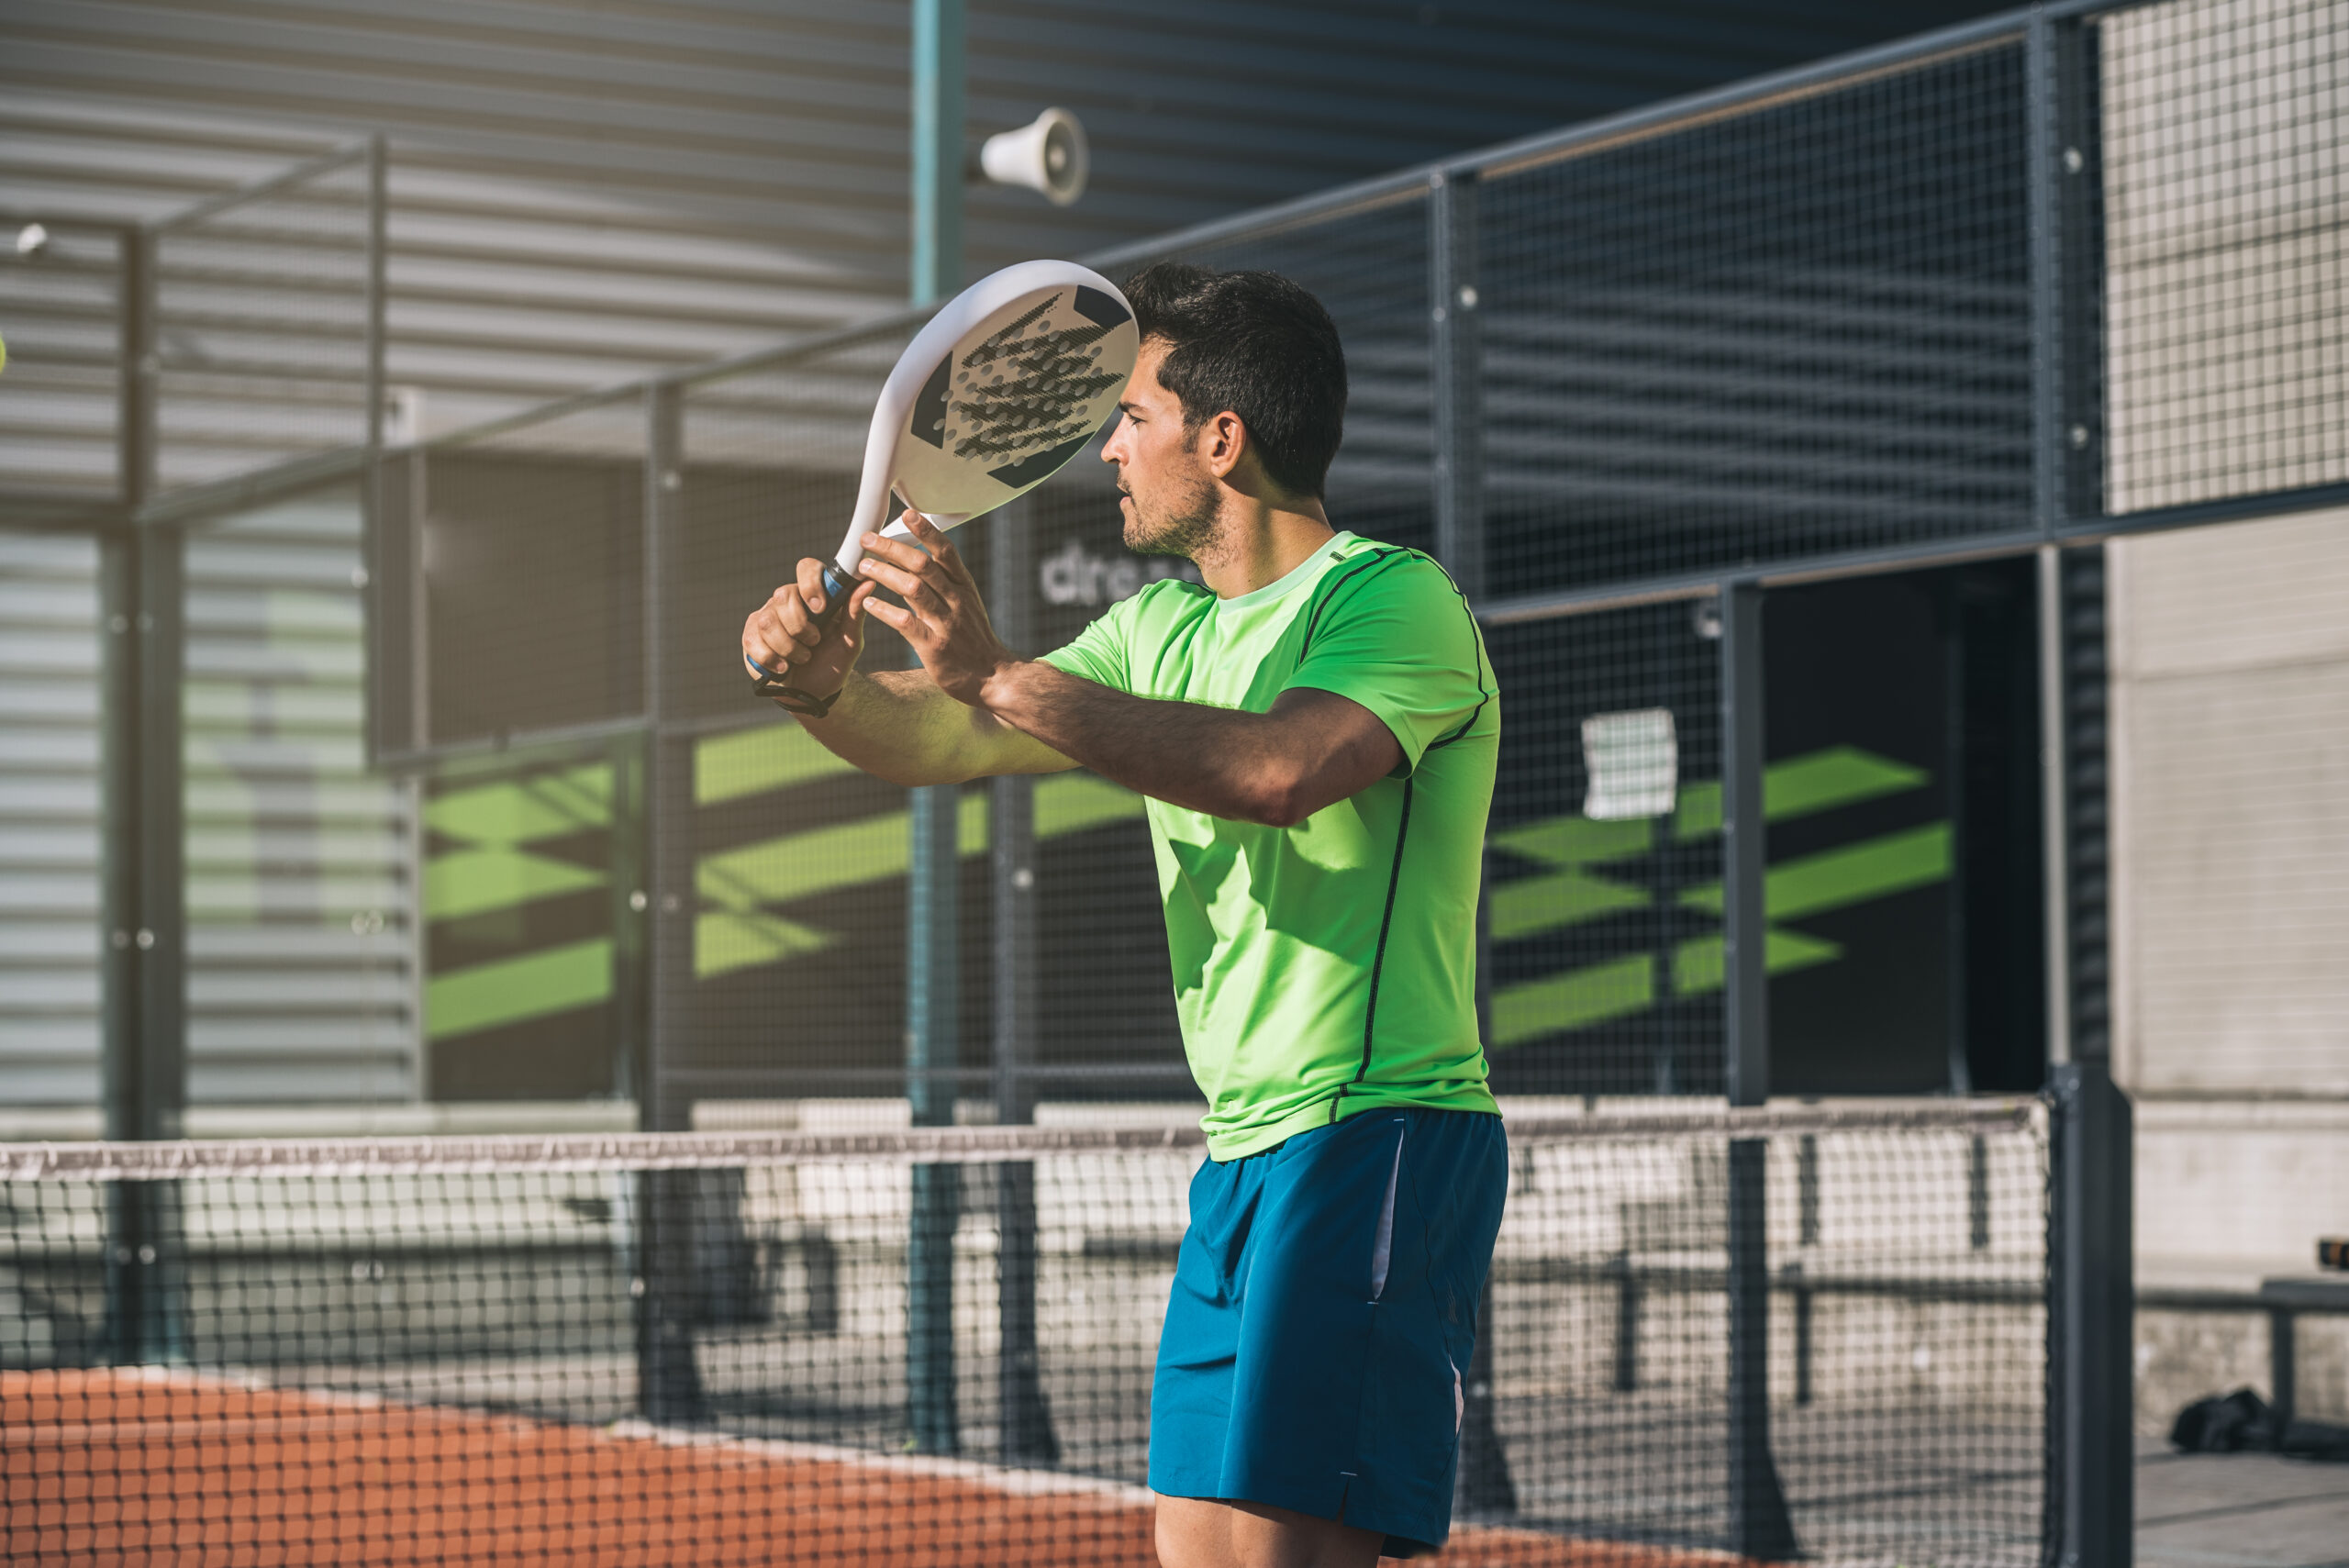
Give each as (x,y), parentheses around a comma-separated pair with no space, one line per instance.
(781,635)
(942,619)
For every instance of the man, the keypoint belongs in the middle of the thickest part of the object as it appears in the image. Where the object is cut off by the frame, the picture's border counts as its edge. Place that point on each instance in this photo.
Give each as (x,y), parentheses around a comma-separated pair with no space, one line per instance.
(1316,728)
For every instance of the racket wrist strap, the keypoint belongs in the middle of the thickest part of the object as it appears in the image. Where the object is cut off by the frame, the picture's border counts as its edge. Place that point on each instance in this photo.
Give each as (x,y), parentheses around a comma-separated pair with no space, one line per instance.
(790,699)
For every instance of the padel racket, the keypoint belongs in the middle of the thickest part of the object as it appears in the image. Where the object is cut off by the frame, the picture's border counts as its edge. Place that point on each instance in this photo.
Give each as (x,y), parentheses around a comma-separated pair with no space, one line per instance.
(1006,383)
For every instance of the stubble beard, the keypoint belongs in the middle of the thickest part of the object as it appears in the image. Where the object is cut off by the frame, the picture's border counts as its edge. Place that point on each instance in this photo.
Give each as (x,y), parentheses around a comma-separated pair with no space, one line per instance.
(1187,527)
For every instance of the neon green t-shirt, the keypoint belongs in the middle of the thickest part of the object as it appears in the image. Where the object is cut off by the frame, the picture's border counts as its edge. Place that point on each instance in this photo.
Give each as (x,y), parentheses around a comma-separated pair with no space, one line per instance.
(1329,968)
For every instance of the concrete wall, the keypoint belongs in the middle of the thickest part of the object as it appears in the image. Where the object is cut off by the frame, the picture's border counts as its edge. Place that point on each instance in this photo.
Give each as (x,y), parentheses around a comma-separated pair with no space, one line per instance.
(2226,266)
(2230,933)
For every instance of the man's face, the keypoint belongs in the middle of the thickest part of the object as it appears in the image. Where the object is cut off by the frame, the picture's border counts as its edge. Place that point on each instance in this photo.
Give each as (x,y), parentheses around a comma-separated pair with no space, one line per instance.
(1167,490)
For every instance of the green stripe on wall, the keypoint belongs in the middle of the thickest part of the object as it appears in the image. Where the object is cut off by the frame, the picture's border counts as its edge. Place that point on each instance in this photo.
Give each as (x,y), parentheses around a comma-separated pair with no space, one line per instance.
(1696,963)
(1532,905)
(1836,879)
(513,989)
(1572,1000)
(752,762)
(521,811)
(478,882)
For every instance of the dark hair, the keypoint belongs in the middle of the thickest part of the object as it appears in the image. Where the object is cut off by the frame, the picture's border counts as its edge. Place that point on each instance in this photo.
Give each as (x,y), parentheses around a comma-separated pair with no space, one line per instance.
(1257,345)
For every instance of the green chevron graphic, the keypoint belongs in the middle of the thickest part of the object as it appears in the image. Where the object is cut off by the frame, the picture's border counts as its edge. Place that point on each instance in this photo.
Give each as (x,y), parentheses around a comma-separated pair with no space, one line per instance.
(1568,894)
(492,868)
(512,990)
(736,926)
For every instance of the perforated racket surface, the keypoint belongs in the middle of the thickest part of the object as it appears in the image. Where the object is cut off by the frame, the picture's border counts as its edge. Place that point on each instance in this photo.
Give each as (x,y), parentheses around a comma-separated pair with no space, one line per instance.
(1005,385)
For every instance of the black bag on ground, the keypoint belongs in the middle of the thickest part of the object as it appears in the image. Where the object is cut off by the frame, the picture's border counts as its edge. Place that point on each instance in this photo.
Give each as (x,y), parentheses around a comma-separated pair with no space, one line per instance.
(2224,1424)
(2242,1420)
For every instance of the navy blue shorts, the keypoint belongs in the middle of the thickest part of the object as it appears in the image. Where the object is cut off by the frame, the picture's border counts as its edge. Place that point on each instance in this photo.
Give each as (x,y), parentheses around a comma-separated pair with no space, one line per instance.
(1323,1314)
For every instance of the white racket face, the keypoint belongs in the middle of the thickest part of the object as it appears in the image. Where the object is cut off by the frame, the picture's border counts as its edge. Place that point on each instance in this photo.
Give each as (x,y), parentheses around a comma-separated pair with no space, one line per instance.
(1018,394)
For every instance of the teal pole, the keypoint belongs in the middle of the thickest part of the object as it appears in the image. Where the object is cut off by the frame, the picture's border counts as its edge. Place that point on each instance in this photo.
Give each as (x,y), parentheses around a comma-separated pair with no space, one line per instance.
(937,150)
(932,895)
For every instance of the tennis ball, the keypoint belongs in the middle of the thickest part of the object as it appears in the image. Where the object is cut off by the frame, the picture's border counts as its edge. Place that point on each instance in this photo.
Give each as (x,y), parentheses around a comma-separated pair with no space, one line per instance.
(4,353)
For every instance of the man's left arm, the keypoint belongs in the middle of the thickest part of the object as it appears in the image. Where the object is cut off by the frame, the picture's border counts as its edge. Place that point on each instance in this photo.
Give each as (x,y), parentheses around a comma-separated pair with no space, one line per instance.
(1313,748)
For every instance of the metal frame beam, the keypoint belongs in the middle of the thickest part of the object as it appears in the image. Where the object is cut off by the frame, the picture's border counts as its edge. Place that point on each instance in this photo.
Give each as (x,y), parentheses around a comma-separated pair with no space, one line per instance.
(1024,1418)
(1760,1526)
(142,963)
(1454,359)
(652,947)
(933,993)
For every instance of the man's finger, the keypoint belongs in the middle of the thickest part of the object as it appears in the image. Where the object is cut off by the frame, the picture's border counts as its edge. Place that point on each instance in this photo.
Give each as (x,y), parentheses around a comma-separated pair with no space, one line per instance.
(767,641)
(897,579)
(790,616)
(902,552)
(759,649)
(811,585)
(933,537)
(900,620)
(941,549)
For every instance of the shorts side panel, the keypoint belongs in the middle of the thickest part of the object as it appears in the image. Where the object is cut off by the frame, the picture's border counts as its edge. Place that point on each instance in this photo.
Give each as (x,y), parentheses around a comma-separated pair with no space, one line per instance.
(1448,1209)
(1308,1334)
(1191,1394)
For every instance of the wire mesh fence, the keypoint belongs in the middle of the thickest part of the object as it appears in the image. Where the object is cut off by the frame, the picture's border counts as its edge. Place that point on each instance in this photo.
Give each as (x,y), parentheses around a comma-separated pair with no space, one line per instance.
(1796,332)
(587,1348)
(2222,200)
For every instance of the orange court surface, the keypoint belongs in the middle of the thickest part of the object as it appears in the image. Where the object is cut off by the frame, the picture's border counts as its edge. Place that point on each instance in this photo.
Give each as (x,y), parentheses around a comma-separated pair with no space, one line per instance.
(172,1469)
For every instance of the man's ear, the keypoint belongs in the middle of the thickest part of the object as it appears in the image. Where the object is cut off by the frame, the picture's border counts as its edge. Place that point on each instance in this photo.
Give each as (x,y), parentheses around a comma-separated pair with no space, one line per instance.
(1223,443)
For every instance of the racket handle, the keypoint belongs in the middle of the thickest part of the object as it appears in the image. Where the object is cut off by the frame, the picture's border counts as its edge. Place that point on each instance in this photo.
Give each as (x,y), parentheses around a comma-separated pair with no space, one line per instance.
(838,586)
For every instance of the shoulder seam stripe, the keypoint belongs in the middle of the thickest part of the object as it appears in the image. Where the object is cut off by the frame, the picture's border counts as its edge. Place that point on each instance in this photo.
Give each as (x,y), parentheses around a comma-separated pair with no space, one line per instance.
(1484,693)
(1323,596)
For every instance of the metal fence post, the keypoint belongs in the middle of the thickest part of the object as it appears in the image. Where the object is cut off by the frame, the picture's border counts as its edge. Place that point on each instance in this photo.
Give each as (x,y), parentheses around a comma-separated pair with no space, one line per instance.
(1759,1525)
(1453,311)
(932,882)
(932,999)
(2090,1481)
(669,1382)
(1483,1484)
(1023,1415)
(937,154)
(2091,1310)
(2063,171)
(143,903)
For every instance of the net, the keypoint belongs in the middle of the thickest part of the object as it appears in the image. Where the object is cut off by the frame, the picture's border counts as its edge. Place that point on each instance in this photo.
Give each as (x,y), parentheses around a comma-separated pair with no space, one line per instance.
(693,1347)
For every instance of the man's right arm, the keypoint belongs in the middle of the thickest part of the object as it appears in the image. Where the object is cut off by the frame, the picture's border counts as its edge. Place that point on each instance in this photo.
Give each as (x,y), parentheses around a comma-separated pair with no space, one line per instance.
(893,724)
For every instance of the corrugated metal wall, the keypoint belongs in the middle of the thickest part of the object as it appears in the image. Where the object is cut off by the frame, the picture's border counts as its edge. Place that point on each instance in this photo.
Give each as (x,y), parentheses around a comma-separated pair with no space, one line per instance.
(48,819)
(301,979)
(583,193)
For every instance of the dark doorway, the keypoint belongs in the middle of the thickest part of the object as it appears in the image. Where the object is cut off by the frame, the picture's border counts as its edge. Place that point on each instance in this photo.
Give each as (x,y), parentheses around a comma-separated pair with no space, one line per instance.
(1904,843)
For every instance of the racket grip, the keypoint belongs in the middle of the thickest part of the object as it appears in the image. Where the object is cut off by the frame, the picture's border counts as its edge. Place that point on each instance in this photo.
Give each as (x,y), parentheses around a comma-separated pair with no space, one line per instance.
(837,588)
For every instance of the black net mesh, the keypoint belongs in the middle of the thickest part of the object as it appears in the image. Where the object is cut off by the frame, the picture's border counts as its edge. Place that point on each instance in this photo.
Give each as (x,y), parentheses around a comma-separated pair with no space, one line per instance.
(592,1350)
(1603,858)
(1791,331)
(2220,149)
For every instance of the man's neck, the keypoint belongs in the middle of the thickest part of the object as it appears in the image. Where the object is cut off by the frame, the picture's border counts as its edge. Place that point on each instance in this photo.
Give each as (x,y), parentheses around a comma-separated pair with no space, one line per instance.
(1261,543)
